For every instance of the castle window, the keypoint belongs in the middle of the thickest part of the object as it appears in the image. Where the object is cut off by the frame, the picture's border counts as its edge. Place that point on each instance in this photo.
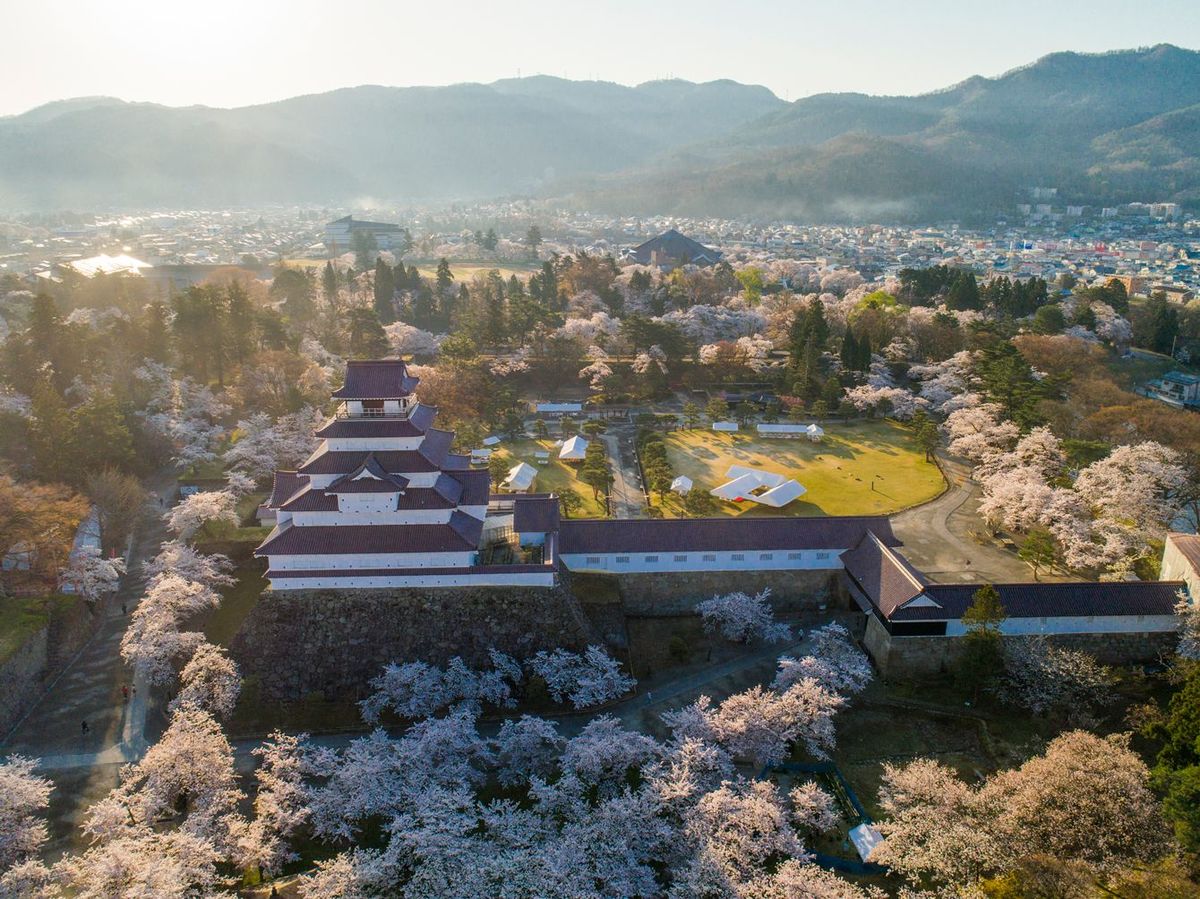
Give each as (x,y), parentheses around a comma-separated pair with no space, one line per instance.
(373,408)
(593,560)
(766,557)
(795,557)
(709,558)
(622,560)
(738,557)
(651,558)
(822,555)
(681,558)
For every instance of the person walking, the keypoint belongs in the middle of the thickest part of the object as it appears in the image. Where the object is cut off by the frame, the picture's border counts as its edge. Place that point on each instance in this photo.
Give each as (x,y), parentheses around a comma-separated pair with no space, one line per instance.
(125,692)
(84,727)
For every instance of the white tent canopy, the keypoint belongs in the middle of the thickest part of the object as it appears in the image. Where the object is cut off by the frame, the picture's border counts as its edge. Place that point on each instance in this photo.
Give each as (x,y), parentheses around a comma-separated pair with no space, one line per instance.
(520,477)
(765,478)
(778,497)
(574,449)
(738,488)
(745,481)
(724,426)
(490,441)
(681,485)
(814,431)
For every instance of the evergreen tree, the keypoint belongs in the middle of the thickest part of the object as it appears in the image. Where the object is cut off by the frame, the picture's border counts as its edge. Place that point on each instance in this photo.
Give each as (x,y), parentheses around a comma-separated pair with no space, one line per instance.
(50,434)
(964,292)
(849,353)
(329,283)
(242,322)
(365,334)
(444,277)
(385,291)
(156,332)
(101,438)
(982,655)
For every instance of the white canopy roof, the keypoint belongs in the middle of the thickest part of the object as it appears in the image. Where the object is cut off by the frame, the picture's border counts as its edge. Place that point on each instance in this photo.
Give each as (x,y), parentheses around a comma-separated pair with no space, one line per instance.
(778,497)
(681,484)
(765,478)
(520,476)
(815,430)
(573,449)
(724,426)
(738,488)
(865,838)
(766,428)
(490,441)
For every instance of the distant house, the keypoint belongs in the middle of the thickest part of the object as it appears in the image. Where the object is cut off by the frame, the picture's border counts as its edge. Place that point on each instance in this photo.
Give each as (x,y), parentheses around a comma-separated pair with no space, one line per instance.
(339,234)
(1175,388)
(558,408)
(671,249)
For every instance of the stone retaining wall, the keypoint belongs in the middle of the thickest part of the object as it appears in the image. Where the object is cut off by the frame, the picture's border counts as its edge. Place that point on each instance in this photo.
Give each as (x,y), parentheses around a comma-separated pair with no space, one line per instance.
(677,593)
(904,658)
(334,642)
(25,675)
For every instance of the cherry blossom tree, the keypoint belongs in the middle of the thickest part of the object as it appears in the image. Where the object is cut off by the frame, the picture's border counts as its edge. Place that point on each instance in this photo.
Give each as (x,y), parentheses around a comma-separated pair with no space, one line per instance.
(153,642)
(586,680)
(1039,676)
(406,340)
(813,809)
(193,512)
(526,747)
(90,575)
(23,795)
(978,431)
(210,681)
(1086,799)
(1188,613)
(604,751)
(833,661)
(760,724)
(184,561)
(741,617)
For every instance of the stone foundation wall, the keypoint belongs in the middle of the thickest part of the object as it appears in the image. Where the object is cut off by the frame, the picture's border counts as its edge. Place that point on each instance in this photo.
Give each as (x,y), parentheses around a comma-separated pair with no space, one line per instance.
(677,593)
(25,675)
(334,642)
(904,658)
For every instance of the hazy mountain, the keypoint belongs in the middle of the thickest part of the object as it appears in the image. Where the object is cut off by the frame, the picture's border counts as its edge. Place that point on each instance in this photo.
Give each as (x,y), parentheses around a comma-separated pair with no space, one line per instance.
(1103,128)
(466,140)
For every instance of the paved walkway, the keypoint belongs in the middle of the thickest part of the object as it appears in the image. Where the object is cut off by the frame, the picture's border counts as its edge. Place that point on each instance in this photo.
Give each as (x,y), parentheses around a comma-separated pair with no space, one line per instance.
(937,536)
(89,688)
(626,498)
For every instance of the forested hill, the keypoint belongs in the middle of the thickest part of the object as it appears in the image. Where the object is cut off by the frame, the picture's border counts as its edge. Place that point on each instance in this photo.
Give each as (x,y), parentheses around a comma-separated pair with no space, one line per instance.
(462,141)
(1102,128)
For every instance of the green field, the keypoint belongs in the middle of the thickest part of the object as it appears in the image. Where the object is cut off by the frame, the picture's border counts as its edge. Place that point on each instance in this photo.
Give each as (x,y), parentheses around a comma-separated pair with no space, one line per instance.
(553,476)
(838,472)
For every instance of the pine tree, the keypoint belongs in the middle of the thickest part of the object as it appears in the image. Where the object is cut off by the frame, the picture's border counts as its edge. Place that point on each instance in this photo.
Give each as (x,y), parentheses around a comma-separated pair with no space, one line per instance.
(385,291)
(242,324)
(329,283)
(849,354)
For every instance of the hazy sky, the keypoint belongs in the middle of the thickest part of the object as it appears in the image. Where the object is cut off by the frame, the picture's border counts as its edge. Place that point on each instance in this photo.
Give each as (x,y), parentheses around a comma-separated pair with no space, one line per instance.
(238,52)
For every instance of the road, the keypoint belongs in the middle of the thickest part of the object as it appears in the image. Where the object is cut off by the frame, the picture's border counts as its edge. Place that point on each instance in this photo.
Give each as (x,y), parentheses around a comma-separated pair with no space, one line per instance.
(937,536)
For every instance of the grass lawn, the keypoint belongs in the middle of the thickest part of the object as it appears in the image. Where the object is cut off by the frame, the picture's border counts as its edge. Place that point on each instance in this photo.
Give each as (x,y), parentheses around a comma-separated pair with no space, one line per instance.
(553,476)
(837,472)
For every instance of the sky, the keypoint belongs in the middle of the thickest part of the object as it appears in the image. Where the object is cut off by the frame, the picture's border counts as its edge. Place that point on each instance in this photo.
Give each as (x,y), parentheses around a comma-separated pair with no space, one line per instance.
(241,52)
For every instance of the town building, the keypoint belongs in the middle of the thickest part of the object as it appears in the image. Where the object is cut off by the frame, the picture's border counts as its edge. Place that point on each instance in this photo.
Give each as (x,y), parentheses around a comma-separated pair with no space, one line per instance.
(670,250)
(340,234)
